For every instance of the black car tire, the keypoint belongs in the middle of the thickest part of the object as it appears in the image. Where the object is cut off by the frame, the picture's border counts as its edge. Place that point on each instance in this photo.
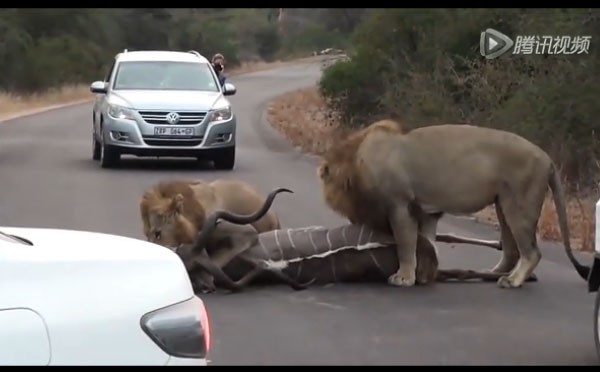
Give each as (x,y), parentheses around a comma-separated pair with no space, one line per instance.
(225,158)
(597,324)
(110,156)
(96,148)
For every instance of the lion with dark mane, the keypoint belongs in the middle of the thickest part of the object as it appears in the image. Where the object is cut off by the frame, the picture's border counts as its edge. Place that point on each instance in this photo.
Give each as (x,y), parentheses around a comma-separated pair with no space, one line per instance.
(403,182)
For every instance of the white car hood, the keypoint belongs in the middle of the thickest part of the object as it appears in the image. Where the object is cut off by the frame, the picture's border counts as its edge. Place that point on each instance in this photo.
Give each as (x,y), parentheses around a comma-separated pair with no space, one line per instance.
(73,245)
(87,263)
(165,99)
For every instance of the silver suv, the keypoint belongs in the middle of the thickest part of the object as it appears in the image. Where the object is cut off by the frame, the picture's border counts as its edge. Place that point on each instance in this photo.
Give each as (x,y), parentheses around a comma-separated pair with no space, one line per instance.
(163,103)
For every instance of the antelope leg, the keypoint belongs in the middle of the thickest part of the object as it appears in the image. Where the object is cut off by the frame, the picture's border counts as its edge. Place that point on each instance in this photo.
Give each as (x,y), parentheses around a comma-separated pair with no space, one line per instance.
(242,238)
(459,274)
(203,278)
(294,284)
(451,238)
(202,281)
(281,275)
(218,273)
(246,279)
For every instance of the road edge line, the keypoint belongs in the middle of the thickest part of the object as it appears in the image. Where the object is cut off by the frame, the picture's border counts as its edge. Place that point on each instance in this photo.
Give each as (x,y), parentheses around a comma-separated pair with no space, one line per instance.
(23,114)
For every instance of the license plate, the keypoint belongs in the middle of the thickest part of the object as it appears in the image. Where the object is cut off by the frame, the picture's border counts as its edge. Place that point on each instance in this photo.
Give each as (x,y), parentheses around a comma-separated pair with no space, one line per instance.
(173,131)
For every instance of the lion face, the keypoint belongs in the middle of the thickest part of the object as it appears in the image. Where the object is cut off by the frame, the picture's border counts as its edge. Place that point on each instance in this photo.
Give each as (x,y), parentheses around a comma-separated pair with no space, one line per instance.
(166,225)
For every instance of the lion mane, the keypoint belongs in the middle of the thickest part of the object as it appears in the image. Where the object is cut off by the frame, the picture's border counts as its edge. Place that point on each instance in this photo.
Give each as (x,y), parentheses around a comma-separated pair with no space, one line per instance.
(345,186)
(174,211)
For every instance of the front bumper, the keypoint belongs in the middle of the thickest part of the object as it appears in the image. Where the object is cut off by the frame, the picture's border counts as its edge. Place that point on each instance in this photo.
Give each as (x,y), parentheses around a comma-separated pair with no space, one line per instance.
(136,137)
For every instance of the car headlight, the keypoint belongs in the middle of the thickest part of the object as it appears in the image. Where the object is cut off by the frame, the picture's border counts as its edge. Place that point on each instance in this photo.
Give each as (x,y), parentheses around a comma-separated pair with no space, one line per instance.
(222,114)
(120,112)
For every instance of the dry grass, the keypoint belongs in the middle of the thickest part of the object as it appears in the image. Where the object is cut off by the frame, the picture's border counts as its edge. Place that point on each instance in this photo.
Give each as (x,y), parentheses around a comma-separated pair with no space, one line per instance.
(12,105)
(581,220)
(248,67)
(302,116)
(15,105)
(304,119)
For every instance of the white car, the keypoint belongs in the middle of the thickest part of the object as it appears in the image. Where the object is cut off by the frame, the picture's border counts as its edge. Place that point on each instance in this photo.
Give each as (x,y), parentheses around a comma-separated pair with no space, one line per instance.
(83,298)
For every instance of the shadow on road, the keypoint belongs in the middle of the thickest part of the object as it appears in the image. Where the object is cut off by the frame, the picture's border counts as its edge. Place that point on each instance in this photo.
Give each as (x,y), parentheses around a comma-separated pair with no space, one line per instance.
(150,164)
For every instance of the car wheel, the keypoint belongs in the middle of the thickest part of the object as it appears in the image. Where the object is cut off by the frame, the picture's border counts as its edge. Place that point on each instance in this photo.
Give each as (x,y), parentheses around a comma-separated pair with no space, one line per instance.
(109,156)
(225,159)
(96,148)
(597,324)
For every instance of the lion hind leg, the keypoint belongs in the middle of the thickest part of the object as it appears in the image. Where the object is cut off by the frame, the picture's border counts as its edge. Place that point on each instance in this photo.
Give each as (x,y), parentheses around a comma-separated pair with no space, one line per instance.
(510,252)
(405,230)
(427,261)
(522,222)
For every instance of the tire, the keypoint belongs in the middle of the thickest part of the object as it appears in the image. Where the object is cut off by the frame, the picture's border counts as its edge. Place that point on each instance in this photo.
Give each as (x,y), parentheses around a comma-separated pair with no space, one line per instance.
(225,159)
(110,157)
(597,324)
(96,148)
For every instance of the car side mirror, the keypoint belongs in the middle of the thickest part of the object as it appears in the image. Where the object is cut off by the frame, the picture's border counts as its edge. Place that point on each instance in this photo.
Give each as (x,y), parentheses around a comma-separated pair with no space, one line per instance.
(229,89)
(98,87)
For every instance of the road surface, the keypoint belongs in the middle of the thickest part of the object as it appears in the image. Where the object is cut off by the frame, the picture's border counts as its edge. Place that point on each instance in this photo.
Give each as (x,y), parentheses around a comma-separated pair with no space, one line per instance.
(48,179)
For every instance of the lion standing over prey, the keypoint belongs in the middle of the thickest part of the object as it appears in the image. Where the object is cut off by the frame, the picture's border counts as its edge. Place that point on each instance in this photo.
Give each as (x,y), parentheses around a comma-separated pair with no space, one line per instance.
(401,183)
(174,211)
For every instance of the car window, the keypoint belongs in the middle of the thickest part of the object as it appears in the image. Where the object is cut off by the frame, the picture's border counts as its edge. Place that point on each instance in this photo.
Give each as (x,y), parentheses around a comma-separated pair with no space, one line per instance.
(165,75)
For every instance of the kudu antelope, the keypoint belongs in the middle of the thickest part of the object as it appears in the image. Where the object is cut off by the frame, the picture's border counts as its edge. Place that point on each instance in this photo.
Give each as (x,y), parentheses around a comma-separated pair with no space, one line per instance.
(235,254)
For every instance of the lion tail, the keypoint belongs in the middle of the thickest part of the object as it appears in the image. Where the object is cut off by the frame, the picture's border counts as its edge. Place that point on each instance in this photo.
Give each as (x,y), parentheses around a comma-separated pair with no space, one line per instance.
(561,211)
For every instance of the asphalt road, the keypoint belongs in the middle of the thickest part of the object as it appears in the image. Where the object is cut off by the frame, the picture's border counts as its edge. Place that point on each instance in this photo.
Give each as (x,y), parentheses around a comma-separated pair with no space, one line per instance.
(48,179)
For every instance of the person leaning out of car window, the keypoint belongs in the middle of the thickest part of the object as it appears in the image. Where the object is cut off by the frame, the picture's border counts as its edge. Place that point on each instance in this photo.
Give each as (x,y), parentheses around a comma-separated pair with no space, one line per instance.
(218,63)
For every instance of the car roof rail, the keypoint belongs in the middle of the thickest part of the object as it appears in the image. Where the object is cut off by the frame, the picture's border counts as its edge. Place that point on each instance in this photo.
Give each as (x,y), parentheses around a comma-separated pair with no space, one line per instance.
(194,52)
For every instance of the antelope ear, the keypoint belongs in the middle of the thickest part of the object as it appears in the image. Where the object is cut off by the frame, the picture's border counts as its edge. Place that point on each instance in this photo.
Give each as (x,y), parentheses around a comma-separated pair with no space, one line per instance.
(178,204)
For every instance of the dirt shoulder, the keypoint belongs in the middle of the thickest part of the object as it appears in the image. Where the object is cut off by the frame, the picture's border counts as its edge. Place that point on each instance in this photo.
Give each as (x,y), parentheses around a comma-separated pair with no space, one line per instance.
(13,106)
(302,116)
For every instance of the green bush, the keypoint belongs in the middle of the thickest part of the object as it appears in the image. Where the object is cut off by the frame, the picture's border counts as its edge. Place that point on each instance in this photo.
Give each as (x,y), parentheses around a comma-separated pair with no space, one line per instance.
(43,48)
(312,37)
(423,67)
(268,42)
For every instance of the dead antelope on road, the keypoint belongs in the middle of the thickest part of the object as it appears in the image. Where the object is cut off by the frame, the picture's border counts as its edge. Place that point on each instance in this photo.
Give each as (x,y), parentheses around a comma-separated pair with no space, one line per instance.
(309,255)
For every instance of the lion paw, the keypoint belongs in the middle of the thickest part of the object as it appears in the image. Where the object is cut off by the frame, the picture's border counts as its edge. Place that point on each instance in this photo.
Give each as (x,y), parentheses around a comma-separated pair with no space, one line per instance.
(402,280)
(508,282)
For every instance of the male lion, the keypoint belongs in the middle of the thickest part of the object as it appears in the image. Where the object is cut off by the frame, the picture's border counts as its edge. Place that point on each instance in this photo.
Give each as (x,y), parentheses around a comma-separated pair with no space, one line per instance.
(404,182)
(174,211)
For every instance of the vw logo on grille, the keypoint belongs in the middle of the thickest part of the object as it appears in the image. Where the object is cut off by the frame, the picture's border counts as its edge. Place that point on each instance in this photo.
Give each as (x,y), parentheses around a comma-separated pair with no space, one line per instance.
(172,118)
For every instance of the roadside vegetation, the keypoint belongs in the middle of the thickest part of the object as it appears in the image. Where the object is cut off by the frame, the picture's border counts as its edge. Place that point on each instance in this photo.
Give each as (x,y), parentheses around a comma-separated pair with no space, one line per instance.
(50,56)
(423,67)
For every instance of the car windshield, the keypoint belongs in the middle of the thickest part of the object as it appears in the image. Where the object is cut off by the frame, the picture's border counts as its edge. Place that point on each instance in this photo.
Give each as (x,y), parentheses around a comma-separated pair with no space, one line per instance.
(165,75)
